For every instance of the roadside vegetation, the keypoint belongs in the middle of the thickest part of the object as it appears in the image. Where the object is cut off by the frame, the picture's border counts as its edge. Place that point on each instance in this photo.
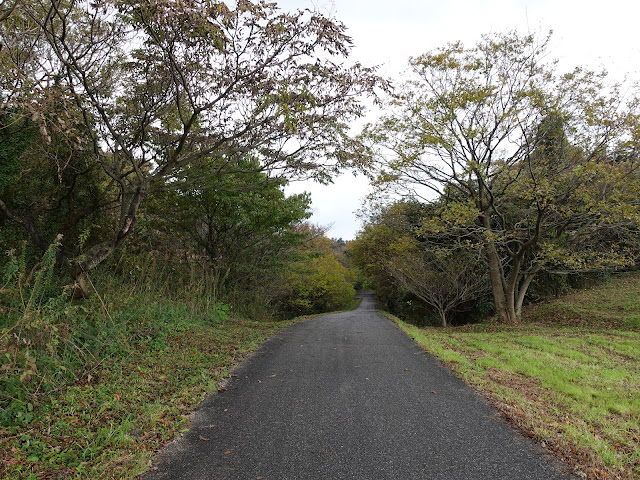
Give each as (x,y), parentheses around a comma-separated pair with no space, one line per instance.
(92,388)
(497,175)
(109,415)
(567,376)
(146,240)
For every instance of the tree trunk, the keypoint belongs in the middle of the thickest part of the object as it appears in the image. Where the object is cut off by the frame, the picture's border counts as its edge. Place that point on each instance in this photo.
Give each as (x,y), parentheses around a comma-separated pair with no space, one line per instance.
(497,280)
(523,291)
(497,285)
(511,307)
(510,293)
(81,266)
(82,286)
(443,318)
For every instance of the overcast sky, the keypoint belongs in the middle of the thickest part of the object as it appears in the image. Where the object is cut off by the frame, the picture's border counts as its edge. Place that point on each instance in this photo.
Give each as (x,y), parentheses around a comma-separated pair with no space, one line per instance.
(386,33)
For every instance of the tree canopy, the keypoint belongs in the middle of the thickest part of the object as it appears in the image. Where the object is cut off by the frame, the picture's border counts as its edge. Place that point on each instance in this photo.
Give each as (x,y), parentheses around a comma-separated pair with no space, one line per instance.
(162,95)
(526,162)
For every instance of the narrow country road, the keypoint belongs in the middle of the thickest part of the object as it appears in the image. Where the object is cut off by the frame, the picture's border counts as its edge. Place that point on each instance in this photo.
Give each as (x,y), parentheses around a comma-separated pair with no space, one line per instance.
(349,396)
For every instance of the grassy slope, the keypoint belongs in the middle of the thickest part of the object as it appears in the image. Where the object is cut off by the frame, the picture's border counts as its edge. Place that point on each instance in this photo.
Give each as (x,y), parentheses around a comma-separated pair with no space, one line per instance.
(108,424)
(568,375)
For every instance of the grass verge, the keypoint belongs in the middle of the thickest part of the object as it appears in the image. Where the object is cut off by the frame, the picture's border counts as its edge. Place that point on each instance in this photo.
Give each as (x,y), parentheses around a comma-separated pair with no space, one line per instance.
(567,376)
(108,423)
(93,389)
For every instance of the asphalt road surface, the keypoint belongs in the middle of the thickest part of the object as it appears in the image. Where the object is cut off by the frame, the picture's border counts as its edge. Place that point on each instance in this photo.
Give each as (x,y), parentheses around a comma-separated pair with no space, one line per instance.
(349,396)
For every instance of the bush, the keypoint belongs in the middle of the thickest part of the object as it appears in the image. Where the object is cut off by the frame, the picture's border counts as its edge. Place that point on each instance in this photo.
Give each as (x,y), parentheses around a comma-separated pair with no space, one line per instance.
(316,286)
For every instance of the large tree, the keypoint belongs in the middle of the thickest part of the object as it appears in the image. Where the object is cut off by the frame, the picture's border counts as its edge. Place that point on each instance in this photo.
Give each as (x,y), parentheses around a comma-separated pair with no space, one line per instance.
(164,94)
(520,158)
(244,224)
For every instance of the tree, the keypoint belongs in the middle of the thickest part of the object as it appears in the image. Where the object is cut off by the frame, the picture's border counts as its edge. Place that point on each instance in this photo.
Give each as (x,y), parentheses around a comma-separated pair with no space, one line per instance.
(244,223)
(517,156)
(317,282)
(164,94)
(48,188)
(443,278)
(442,270)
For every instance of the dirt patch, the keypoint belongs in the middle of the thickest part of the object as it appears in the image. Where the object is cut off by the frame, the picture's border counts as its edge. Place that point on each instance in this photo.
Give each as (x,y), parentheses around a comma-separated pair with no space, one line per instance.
(527,387)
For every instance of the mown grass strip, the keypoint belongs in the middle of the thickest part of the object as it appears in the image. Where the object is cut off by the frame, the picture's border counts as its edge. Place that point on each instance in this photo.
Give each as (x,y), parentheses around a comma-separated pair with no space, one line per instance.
(572,385)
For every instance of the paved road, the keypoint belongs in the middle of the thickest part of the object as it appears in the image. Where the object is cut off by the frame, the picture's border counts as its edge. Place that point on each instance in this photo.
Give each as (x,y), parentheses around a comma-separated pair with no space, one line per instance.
(349,396)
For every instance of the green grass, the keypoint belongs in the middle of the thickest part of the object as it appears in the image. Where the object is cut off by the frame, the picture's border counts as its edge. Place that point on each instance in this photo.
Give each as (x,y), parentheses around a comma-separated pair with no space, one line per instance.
(568,375)
(93,389)
(109,422)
